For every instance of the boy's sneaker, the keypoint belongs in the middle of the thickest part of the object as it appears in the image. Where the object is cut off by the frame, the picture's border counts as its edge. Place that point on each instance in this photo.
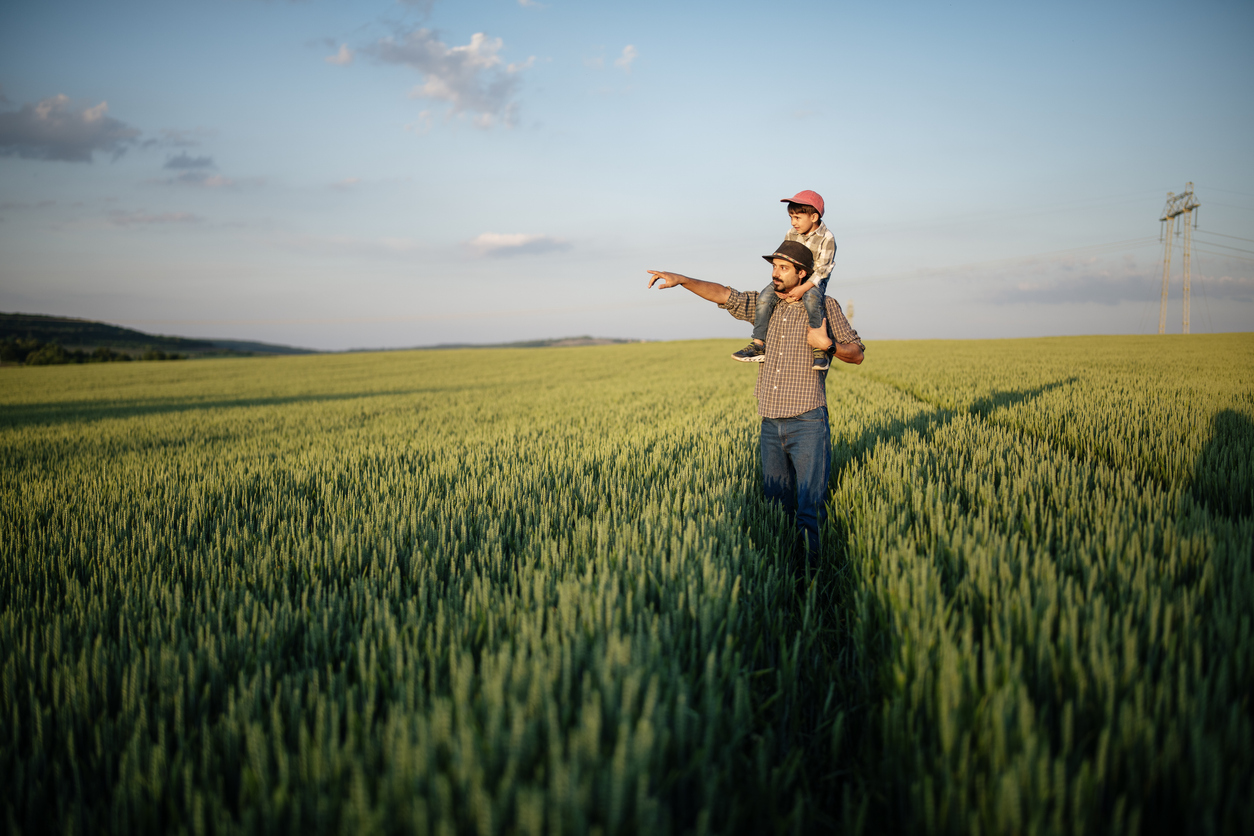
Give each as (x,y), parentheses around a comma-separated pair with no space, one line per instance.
(752,353)
(821,361)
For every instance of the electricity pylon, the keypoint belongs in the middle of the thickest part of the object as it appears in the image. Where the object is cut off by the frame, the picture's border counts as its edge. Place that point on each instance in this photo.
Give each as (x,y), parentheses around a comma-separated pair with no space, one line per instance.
(1177,205)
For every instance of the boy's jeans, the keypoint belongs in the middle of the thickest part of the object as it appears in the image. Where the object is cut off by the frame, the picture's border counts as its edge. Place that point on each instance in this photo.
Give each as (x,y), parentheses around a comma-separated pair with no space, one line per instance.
(767,300)
(796,462)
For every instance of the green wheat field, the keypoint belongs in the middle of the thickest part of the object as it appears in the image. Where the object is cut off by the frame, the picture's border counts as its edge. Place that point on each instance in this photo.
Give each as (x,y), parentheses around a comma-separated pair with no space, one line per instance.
(539,592)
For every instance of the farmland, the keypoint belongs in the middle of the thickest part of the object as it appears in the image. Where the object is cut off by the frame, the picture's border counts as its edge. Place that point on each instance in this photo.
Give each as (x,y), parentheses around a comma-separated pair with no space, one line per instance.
(523,591)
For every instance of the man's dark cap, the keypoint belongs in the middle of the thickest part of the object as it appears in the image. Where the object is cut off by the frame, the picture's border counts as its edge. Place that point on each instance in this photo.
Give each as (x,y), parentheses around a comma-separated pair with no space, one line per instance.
(796,252)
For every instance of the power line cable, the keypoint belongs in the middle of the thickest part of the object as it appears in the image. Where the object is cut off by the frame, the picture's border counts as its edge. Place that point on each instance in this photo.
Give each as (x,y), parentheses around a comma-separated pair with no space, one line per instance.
(1221,235)
(1227,247)
(1229,191)
(1229,205)
(1227,255)
(924,272)
(952,220)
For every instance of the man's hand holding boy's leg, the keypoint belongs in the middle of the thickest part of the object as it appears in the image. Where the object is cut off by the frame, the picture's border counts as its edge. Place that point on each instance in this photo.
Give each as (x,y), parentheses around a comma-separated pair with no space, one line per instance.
(818,338)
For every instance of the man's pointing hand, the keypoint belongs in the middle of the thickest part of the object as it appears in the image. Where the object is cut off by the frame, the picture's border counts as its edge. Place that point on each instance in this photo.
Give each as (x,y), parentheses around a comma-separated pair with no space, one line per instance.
(716,293)
(667,279)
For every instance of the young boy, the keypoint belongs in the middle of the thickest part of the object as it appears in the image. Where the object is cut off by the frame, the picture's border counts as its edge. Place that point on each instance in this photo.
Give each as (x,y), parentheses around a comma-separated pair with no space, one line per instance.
(805,211)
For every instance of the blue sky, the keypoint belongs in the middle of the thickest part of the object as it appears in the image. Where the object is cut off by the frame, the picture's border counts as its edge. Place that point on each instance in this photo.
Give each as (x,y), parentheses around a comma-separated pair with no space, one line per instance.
(391,174)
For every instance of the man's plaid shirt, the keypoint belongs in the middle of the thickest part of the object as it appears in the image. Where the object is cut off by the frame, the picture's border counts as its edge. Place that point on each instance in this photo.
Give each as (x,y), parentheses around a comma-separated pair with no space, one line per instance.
(823,245)
(787,386)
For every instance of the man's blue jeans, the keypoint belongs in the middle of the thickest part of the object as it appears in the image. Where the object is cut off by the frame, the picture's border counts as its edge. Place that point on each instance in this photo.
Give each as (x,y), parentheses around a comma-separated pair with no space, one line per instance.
(796,461)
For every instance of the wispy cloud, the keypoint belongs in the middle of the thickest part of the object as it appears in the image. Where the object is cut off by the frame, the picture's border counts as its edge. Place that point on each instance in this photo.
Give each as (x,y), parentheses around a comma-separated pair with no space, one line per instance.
(183,161)
(472,78)
(623,61)
(24,204)
(1094,281)
(179,138)
(342,58)
(140,218)
(499,245)
(423,6)
(205,180)
(346,184)
(58,129)
(422,124)
(350,245)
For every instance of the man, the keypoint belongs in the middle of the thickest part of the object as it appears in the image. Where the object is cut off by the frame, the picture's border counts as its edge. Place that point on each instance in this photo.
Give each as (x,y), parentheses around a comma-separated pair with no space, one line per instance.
(795,443)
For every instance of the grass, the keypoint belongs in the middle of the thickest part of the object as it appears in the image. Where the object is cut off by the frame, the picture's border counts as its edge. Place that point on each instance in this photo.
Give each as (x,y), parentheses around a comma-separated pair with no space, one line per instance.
(520,591)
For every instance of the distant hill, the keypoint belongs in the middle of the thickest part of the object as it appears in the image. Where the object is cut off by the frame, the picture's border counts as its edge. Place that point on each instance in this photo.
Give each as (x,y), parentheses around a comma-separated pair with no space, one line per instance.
(85,334)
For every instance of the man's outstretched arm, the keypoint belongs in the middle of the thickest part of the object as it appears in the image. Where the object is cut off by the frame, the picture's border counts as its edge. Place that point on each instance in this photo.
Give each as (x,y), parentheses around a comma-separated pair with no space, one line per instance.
(716,293)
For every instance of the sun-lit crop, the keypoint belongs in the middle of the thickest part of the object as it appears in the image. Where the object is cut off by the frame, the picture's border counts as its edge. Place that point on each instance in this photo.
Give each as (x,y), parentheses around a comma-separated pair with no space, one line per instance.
(538,591)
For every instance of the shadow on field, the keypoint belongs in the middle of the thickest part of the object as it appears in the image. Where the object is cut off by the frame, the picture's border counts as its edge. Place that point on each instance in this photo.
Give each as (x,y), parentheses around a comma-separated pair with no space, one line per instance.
(1011,397)
(840,746)
(53,413)
(1223,475)
(925,423)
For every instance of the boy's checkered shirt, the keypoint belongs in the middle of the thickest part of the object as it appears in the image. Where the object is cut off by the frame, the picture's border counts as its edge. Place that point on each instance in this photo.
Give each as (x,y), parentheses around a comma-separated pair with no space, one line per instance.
(822,244)
(787,386)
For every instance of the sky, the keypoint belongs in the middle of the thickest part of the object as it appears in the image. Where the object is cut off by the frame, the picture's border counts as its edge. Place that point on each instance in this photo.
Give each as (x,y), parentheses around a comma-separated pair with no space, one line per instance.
(389,174)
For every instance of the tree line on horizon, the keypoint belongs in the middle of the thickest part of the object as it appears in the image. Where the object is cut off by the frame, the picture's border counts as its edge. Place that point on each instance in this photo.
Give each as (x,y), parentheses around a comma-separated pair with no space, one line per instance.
(27,351)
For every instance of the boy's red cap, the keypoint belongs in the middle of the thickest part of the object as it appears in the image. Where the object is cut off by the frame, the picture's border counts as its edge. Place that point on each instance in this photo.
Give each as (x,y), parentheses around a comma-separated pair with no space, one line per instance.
(807,197)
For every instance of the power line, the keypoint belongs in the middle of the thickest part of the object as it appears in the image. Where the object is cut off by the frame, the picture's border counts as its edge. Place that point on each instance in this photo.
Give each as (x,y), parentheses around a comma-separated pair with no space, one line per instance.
(1229,191)
(1177,205)
(1228,247)
(1231,206)
(951,220)
(1221,235)
(1228,255)
(923,272)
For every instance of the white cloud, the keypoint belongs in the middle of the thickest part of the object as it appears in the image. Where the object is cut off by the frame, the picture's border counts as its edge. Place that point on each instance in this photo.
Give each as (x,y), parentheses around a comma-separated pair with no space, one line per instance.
(56,129)
(346,184)
(623,61)
(120,218)
(472,78)
(499,244)
(342,58)
(531,4)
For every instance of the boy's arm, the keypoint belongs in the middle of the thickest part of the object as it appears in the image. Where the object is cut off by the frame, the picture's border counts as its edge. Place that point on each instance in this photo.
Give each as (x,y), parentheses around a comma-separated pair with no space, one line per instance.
(800,290)
(824,256)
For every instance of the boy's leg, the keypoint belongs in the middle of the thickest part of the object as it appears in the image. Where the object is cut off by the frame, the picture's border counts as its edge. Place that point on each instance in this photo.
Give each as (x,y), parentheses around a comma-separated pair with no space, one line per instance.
(815,309)
(813,300)
(755,351)
(767,300)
